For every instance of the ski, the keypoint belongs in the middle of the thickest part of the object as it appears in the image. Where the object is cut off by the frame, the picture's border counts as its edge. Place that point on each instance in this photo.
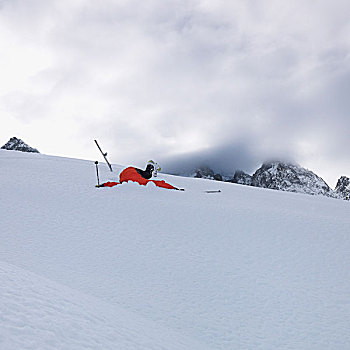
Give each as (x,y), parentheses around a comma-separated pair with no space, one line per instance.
(104,156)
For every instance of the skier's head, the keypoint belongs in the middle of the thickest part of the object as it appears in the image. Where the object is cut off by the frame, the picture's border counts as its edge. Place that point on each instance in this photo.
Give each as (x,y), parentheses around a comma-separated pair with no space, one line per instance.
(150,168)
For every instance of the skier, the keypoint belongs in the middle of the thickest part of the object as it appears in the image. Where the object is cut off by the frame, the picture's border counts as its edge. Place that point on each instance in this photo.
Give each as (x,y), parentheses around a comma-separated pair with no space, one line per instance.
(156,167)
(140,176)
(136,174)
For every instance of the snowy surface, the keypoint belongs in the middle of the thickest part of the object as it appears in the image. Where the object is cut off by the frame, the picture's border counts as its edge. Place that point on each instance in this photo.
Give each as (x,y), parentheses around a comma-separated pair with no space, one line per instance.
(134,267)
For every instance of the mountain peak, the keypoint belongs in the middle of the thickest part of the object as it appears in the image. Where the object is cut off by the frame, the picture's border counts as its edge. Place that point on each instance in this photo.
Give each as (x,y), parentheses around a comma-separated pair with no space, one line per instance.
(241,178)
(343,187)
(290,177)
(15,144)
(206,172)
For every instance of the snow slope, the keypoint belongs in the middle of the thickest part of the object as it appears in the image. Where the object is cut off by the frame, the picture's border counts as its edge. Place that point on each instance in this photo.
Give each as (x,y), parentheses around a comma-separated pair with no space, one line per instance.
(41,314)
(135,267)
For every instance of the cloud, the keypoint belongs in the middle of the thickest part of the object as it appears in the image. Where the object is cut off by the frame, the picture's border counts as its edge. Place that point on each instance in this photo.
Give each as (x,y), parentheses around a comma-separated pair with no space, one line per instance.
(238,81)
(224,159)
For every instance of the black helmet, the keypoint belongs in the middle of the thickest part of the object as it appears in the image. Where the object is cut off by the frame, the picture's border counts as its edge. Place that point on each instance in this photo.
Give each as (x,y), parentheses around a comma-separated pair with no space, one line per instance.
(150,168)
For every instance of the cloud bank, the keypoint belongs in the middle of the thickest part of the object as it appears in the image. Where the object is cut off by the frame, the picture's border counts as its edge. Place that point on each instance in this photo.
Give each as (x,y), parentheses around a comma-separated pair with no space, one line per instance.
(231,83)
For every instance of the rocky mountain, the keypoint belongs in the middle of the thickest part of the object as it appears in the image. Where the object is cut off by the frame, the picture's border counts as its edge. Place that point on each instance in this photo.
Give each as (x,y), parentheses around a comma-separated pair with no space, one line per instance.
(241,178)
(15,144)
(206,173)
(292,178)
(343,188)
(282,176)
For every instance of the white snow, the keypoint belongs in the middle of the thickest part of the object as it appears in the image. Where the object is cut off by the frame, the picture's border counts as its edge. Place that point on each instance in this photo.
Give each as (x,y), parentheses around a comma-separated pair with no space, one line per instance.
(134,267)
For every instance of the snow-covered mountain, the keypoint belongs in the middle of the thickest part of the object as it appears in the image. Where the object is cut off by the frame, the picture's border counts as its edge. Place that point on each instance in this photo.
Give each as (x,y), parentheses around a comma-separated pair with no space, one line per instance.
(292,178)
(241,178)
(205,172)
(140,267)
(15,144)
(283,176)
(343,188)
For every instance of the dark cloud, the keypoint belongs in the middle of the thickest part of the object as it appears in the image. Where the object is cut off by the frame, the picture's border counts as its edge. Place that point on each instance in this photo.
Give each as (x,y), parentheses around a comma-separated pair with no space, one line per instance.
(225,160)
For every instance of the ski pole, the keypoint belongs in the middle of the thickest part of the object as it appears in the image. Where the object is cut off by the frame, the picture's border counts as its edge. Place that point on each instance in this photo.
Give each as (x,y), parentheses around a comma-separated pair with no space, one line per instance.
(98,178)
(104,156)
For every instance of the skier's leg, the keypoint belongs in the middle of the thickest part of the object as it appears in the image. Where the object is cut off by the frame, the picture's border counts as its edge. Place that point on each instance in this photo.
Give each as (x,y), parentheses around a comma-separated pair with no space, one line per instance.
(162,183)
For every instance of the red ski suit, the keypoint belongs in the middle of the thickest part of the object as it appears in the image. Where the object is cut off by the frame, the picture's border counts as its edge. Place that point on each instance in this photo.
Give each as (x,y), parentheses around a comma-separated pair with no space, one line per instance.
(130,174)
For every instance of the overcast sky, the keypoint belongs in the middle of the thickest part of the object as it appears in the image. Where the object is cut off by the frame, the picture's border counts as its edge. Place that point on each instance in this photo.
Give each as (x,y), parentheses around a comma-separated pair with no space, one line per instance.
(229,83)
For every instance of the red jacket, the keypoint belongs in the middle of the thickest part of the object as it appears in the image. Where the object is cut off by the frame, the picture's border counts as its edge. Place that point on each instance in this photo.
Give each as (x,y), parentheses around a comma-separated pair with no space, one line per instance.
(130,174)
